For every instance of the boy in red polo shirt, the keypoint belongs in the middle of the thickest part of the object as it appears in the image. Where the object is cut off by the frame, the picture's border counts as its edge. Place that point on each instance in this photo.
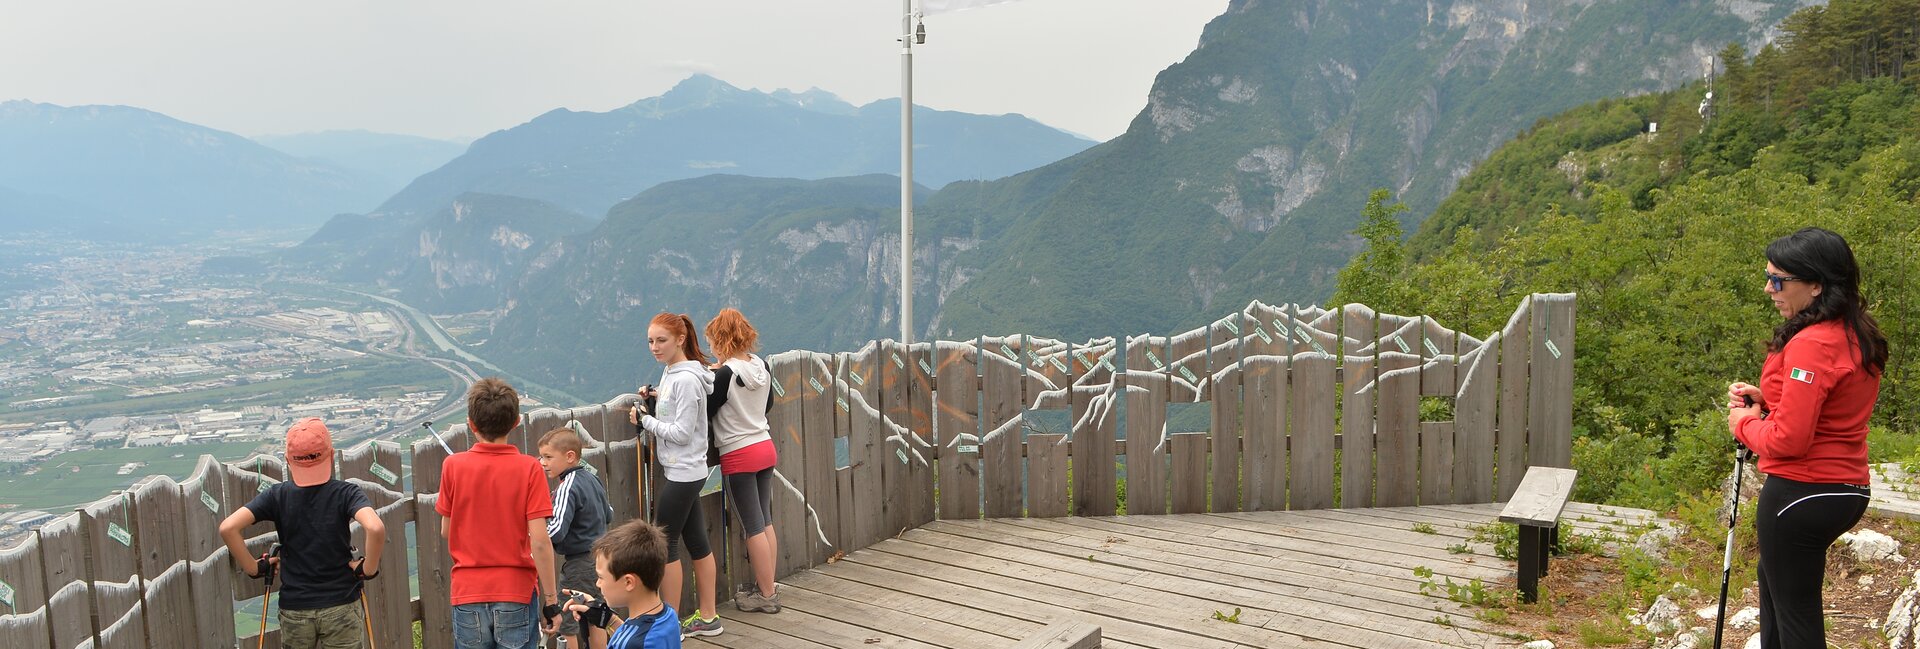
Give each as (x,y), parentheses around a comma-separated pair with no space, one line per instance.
(493,507)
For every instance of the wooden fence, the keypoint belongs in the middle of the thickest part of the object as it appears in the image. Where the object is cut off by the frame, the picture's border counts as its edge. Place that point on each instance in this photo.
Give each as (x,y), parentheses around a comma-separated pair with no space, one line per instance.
(1269,408)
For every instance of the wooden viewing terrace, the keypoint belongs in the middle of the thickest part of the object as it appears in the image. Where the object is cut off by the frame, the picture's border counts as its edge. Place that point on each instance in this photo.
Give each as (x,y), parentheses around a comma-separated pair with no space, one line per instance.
(1310,578)
(920,503)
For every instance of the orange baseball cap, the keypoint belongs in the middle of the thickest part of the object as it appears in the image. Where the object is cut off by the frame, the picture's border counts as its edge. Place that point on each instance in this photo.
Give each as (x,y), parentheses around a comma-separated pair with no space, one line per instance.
(309,452)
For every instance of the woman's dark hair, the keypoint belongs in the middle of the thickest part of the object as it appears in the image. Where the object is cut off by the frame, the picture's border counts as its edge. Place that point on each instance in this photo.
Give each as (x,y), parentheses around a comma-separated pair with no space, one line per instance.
(1822,257)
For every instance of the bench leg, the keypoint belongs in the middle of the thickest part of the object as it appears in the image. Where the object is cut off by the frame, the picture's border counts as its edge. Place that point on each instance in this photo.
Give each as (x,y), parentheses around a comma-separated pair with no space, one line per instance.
(1549,544)
(1533,562)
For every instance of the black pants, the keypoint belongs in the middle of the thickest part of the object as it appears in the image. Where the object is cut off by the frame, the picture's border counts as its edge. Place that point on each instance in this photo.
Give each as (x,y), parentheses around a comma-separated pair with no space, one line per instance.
(677,512)
(752,500)
(1797,522)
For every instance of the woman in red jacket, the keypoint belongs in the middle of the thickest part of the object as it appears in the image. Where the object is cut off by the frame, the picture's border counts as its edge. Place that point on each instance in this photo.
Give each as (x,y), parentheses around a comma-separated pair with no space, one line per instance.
(1807,422)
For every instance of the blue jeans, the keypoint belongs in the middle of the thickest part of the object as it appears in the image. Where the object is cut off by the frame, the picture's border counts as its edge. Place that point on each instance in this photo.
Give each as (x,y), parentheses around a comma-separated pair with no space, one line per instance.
(497,625)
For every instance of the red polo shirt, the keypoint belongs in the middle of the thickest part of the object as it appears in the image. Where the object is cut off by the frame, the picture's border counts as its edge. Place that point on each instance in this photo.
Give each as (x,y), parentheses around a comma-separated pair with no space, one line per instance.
(1819,398)
(490,492)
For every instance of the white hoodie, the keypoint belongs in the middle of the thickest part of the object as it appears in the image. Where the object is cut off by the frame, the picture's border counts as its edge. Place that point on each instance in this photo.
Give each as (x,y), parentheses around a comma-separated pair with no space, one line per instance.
(741,419)
(681,423)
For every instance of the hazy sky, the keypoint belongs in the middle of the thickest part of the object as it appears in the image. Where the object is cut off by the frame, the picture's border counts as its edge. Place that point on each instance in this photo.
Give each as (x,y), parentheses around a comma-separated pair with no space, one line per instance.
(463,68)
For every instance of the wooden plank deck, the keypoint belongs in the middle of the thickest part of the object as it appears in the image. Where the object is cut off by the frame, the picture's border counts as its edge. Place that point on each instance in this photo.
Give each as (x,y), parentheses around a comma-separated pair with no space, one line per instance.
(1320,578)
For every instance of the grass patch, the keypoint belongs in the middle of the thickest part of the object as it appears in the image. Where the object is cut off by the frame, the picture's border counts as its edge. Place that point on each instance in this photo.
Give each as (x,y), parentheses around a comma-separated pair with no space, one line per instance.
(57,486)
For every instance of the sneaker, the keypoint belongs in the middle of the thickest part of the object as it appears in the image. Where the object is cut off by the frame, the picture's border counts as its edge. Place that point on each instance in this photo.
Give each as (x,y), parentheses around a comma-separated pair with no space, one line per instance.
(751,601)
(695,627)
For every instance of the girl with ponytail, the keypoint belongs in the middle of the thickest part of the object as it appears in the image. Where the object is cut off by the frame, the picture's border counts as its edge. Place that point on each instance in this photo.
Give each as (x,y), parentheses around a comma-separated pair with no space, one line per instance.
(742,396)
(679,428)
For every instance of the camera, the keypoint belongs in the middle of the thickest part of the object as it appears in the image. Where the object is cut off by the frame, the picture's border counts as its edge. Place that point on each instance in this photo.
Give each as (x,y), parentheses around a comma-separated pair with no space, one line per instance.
(649,399)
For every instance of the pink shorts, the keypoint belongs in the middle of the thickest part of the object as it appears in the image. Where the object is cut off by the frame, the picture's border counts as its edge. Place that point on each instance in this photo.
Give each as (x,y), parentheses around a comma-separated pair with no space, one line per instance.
(754,458)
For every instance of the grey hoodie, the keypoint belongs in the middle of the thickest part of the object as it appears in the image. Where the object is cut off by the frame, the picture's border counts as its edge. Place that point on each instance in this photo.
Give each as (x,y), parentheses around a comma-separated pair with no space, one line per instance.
(680,425)
(738,407)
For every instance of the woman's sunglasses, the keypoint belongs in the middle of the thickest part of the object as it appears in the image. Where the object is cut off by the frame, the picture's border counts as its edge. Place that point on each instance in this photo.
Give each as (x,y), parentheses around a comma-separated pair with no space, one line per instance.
(1778,282)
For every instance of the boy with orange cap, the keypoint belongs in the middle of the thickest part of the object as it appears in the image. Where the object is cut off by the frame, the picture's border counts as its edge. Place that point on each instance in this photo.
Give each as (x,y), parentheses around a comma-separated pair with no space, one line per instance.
(320,592)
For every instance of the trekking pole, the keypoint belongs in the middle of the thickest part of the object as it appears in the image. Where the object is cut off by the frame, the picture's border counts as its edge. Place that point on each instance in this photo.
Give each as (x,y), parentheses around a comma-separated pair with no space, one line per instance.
(366,618)
(726,535)
(267,570)
(1733,519)
(366,614)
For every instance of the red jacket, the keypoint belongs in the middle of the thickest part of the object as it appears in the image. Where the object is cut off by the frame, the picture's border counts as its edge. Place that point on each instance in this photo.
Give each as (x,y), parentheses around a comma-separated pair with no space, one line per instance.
(1820,398)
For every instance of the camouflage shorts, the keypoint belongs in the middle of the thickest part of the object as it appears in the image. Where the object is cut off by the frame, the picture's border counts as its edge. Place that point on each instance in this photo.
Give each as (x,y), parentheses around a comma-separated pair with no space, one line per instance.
(338,627)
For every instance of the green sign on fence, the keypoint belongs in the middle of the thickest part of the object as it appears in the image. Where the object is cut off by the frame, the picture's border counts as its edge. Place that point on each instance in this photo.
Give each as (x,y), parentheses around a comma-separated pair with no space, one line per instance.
(208,500)
(118,533)
(384,474)
(6,595)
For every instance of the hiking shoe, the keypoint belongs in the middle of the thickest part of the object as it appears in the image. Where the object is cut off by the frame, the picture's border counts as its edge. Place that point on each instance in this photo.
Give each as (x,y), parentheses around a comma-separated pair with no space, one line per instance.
(751,601)
(695,627)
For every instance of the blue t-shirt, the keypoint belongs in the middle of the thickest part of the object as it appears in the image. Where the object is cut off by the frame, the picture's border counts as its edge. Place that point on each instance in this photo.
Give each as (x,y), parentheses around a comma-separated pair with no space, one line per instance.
(658,631)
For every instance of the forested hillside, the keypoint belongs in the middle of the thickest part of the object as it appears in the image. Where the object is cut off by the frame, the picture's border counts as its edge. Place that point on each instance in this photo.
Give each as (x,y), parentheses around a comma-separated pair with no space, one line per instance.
(1661,234)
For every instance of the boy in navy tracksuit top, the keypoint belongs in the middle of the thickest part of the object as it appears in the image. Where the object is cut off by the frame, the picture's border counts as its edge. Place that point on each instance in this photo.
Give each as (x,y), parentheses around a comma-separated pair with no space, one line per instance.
(580,515)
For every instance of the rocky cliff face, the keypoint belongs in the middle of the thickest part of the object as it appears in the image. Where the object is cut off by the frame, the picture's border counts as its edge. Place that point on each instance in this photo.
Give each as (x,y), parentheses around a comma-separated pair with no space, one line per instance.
(813,263)
(467,257)
(1247,168)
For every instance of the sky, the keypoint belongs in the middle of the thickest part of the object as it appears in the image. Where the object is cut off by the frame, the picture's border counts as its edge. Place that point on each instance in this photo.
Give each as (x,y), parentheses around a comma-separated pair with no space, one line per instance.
(459,69)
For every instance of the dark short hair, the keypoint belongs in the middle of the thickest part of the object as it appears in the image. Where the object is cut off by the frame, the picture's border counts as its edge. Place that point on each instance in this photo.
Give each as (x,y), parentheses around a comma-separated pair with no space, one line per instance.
(636,548)
(493,407)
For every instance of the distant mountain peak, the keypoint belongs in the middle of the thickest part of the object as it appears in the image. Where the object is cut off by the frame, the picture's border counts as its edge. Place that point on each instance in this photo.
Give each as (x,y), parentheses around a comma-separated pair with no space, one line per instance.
(815,99)
(694,93)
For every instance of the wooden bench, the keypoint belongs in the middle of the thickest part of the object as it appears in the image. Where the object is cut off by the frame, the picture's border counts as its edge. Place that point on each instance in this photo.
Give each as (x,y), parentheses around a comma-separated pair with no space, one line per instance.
(1063,635)
(1535,508)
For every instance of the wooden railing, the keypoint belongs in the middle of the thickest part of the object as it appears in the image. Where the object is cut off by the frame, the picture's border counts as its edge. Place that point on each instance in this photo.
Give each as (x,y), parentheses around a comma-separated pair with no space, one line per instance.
(1304,408)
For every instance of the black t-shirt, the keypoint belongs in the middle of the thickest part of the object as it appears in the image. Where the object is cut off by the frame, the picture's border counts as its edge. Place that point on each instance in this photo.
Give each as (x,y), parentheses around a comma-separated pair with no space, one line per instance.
(315,541)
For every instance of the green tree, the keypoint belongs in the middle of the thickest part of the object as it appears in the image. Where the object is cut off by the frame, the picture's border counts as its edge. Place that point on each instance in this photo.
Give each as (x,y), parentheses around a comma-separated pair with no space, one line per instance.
(1376,276)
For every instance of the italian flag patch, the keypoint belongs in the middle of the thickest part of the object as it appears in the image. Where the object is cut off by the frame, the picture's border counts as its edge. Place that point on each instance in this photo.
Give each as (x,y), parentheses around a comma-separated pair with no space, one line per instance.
(1801,375)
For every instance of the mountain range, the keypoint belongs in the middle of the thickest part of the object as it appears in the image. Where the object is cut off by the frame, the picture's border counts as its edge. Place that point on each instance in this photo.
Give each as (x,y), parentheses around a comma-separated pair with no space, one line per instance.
(587,162)
(392,158)
(1241,177)
(116,171)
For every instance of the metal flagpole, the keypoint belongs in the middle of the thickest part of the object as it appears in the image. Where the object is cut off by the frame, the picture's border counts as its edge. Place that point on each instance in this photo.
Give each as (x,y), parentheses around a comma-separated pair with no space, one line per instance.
(907,37)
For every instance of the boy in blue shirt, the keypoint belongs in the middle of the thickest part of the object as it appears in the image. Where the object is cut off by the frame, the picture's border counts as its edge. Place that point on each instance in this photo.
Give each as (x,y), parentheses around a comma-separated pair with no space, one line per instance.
(629,563)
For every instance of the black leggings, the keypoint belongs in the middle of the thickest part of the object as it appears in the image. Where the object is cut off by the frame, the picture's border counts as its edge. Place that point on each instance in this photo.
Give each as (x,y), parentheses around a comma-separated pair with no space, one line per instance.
(677,512)
(753,498)
(1797,521)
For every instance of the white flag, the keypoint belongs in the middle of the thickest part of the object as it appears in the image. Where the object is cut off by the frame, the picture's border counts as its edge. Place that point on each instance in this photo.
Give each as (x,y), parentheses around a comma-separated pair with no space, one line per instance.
(931,7)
